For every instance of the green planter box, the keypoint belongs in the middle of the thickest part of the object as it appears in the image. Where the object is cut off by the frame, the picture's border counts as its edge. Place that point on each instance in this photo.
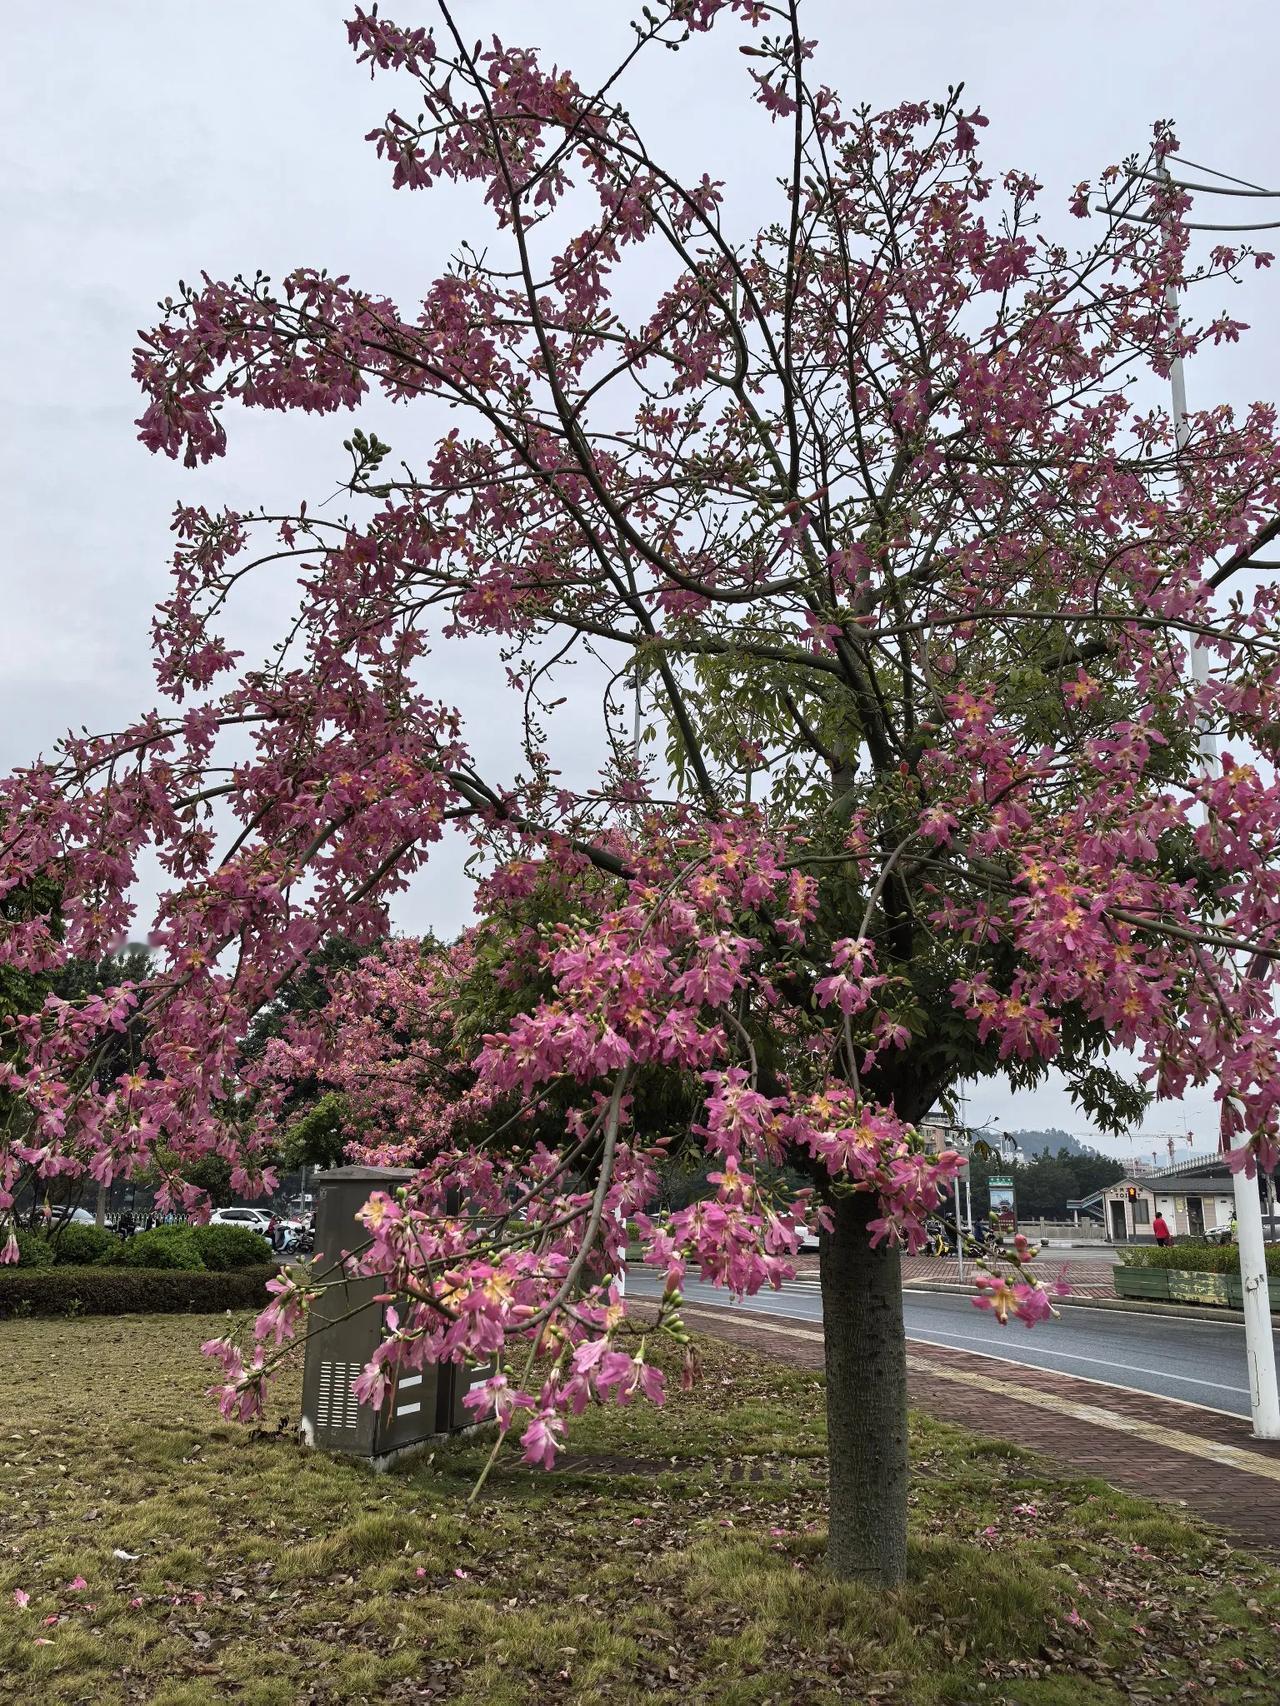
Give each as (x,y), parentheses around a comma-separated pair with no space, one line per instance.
(1198,1288)
(1181,1285)
(1142,1282)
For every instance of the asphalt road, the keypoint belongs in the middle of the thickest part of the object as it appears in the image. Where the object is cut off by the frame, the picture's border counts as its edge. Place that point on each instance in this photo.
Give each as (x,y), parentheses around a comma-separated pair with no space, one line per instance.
(1201,1362)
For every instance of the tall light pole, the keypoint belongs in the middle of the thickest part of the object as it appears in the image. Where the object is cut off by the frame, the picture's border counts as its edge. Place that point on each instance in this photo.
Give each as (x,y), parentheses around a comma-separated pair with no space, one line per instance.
(1264,1396)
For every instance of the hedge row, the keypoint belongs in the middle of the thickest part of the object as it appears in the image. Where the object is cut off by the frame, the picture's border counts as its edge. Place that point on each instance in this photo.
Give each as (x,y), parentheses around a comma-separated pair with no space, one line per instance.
(180,1246)
(1194,1258)
(130,1291)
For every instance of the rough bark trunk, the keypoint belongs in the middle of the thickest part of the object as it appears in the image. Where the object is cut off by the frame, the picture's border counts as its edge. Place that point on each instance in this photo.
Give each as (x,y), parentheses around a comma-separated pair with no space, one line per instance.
(866,1399)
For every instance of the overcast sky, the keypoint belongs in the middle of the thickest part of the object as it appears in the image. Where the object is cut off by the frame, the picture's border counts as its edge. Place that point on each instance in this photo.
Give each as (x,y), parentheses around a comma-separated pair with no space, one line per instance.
(143,143)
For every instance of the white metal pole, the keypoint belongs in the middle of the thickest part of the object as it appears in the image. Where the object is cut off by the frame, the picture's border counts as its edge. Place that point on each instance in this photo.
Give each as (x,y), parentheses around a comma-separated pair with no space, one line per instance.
(1260,1352)
(959,1230)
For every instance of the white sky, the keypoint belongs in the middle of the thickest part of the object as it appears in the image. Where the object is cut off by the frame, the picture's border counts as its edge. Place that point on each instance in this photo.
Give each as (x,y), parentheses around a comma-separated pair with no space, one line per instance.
(140,144)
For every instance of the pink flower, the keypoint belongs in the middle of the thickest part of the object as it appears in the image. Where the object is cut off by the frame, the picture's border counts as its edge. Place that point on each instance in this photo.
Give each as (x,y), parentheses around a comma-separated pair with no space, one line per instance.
(541,1439)
(77,1584)
(497,1398)
(995,1294)
(651,1382)
(9,1252)
(1030,1303)
(21,1598)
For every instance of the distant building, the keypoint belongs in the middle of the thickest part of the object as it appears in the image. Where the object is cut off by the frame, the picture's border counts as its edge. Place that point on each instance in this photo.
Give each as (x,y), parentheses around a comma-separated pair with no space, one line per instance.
(1195,1197)
(940,1133)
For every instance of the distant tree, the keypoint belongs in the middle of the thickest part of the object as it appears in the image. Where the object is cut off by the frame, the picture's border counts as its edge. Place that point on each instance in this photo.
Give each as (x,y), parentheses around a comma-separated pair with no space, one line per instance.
(32,906)
(1045,1183)
(119,1054)
(121,1050)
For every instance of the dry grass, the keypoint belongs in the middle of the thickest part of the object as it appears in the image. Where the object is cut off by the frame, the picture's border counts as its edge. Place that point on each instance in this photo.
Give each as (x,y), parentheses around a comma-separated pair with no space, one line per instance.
(677,1558)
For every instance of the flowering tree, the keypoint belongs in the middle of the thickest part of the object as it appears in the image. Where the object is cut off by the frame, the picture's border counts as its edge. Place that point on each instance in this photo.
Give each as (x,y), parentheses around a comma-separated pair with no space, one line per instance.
(871,510)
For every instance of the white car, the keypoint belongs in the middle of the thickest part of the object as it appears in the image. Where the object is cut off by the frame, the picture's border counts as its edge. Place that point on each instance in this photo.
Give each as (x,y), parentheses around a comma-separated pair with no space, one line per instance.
(254,1219)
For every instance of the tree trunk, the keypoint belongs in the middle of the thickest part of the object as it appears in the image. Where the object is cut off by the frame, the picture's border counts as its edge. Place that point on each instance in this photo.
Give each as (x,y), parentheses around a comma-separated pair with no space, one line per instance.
(100,1214)
(866,1357)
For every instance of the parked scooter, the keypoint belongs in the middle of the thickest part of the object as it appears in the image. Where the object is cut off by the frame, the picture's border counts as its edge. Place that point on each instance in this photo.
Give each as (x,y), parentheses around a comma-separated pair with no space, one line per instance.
(295,1241)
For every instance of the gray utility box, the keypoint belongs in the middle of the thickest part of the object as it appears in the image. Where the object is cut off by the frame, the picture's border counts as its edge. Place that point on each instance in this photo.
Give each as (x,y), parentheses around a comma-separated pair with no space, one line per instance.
(345,1329)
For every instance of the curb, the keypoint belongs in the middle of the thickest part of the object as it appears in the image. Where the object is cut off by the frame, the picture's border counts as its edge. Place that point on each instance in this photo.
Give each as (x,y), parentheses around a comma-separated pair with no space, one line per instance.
(1122,1305)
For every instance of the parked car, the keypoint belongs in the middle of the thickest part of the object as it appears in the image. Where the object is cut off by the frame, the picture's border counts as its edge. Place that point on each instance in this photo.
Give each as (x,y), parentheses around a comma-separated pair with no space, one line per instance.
(256,1219)
(61,1215)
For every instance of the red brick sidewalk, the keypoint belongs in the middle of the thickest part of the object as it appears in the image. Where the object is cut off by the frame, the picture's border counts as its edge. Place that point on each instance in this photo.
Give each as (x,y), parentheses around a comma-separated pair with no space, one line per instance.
(1088,1271)
(1085,1273)
(1179,1454)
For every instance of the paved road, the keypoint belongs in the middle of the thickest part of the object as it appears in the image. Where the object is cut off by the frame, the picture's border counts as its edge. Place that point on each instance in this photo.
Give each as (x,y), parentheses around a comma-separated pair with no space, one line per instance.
(1202,1362)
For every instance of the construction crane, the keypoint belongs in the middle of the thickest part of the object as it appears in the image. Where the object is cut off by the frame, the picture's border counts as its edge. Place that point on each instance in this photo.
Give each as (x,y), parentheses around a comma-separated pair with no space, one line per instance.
(1169,1139)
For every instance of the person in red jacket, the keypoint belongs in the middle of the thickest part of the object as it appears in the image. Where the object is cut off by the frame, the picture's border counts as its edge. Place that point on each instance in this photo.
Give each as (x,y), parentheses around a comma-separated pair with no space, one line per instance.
(1160,1227)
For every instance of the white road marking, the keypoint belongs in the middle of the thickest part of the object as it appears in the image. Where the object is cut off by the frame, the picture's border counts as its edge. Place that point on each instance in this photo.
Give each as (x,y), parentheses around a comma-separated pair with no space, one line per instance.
(1089,1362)
(990,1356)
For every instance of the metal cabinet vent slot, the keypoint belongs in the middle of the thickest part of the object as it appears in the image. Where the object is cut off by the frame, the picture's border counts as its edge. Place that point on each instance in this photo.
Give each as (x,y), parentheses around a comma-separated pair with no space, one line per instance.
(338,1407)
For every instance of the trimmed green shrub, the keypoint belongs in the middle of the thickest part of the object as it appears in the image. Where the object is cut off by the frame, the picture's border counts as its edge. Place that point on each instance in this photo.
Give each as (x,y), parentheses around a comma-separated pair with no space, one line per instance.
(78,1246)
(162,1247)
(129,1291)
(1194,1258)
(34,1249)
(227,1247)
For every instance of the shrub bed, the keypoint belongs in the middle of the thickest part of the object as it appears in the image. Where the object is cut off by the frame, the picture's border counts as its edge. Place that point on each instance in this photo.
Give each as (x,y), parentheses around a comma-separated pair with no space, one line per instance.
(111,1290)
(1194,1258)
(78,1246)
(162,1247)
(226,1247)
(34,1249)
(221,1249)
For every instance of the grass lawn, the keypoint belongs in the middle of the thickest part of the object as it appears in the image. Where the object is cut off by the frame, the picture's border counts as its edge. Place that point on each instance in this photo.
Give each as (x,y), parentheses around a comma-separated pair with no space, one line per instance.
(675,1558)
